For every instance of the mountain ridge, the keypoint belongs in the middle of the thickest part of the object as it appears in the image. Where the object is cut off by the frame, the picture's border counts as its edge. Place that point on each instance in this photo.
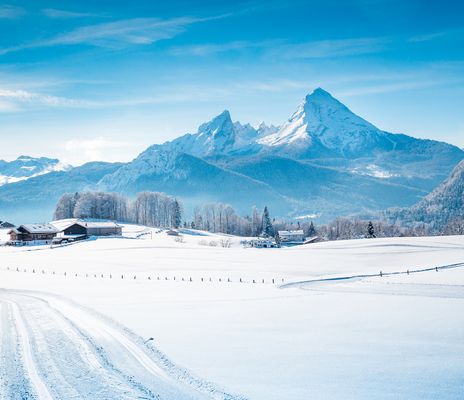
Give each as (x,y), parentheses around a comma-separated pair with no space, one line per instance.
(439,208)
(325,160)
(26,167)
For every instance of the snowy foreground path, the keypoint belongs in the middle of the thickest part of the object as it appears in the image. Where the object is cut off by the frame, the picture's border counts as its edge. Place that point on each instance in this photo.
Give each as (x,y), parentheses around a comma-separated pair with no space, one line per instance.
(51,348)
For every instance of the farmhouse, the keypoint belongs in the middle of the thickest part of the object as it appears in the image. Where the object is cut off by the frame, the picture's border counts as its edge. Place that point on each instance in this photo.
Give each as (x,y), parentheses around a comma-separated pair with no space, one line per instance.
(78,228)
(33,233)
(292,236)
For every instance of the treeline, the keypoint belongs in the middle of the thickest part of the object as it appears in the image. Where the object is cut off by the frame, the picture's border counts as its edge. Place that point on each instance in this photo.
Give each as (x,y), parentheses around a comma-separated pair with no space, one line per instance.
(149,208)
(161,210)
(222,218)
(353,228)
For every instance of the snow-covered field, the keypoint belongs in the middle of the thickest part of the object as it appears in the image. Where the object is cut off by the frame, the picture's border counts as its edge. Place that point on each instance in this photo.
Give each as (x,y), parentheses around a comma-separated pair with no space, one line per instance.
(389,337)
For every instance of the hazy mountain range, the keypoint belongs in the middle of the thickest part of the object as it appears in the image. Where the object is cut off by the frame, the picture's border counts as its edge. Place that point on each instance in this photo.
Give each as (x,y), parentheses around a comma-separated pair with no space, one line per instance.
(325,161)
(25,167)
(439,208)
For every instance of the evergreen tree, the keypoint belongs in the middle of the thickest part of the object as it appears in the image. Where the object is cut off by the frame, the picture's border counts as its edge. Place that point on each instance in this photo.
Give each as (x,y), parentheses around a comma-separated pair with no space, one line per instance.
(268,229)
(177,215)
(311,230)
(370,230)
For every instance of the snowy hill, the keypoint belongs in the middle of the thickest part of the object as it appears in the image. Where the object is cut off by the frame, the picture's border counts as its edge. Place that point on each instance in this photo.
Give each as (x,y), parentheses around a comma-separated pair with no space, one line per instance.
(25,167)
(159,318)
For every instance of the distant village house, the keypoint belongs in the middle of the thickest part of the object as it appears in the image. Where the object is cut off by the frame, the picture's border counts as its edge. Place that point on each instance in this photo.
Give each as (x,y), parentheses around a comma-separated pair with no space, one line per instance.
(292,236)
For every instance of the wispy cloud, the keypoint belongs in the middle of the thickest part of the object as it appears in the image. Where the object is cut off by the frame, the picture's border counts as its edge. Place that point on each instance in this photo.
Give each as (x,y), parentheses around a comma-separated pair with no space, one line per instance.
(11,12)
(13,99)
(119,34)
(427,37)
(284,50)
(125,32)
(332,48)
(212,48)
(63,14)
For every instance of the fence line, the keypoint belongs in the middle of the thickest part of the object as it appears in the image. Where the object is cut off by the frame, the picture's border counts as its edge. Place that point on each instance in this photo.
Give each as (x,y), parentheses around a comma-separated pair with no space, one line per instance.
(380,274)
(205,279)
(141,277)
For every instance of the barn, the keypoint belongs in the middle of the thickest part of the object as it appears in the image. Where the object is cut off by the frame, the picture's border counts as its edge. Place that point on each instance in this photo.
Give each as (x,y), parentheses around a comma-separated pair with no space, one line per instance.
(101,228)
(79,228)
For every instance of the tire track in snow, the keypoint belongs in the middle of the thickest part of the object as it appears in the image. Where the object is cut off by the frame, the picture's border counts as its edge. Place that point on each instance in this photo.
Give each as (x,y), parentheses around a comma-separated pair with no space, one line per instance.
(110,358)
(76,368)
(14,381)
(27,356)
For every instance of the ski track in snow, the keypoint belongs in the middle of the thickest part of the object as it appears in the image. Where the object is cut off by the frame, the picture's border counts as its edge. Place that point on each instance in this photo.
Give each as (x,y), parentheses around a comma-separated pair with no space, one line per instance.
(51,348)
(417,289)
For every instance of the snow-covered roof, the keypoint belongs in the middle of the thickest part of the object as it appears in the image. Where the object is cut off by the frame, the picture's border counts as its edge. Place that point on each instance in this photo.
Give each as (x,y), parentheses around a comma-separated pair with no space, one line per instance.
(98,224)
(63,224)
(298,232)
(39,228)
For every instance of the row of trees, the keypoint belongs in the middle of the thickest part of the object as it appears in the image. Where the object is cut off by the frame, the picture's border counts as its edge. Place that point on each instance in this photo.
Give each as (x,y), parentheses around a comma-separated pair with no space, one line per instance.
(149,208)
(159,209)
(218,217)
(352,228)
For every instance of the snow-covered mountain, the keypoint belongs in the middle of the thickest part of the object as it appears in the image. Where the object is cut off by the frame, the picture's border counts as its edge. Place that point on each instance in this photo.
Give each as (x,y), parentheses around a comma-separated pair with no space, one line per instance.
(440,207)
(325,160)
(324,131)
(25,167)
(322,124)
(220,137)
(34,199)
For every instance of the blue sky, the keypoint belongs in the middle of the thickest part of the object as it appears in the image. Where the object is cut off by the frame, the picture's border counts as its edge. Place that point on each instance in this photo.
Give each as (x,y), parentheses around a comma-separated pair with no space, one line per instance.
(85,80)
